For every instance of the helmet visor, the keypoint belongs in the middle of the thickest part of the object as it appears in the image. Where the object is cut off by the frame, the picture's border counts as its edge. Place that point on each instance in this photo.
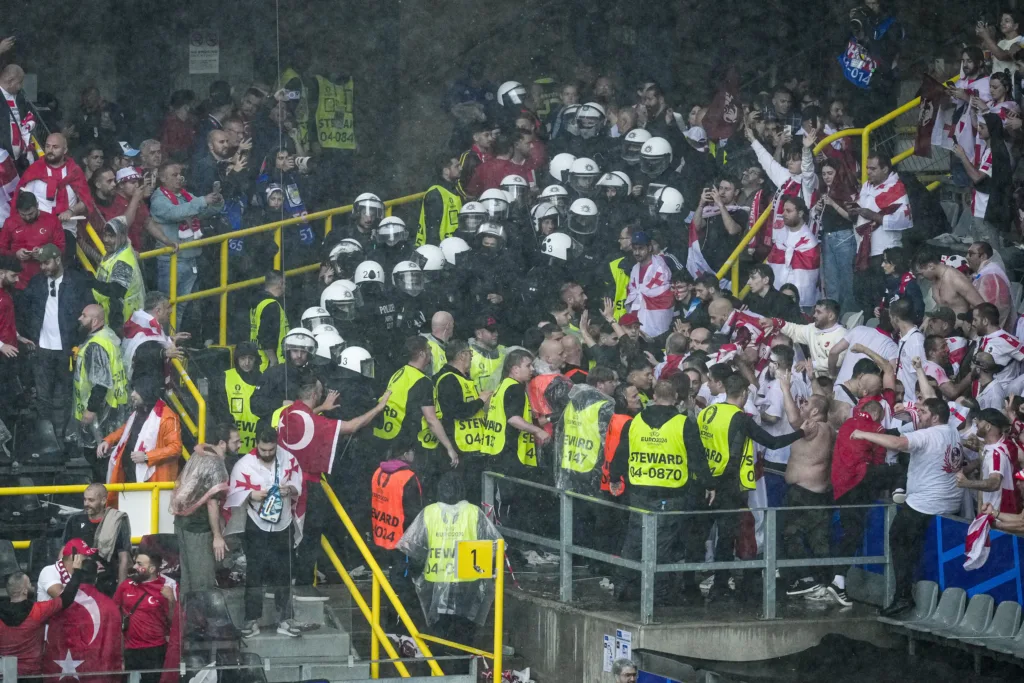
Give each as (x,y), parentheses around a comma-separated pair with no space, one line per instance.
(469,223)
(342,309)
(582,225)
(311,323)
(583,182)
(298,343)
(654,166)
(631,151)
(497,209)
(560,202)
(390,235)
(410,282)
(368,211)
(514,192)
(367,368)
(336,353)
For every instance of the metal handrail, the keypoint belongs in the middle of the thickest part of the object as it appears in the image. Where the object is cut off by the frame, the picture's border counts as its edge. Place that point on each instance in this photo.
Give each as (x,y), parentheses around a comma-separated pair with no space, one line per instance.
(648,564)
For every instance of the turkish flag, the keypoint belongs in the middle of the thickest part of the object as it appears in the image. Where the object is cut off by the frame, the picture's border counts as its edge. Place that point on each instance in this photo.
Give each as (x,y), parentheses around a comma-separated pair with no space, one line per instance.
(313,440)
(725,111)
(85,637)
(933,97)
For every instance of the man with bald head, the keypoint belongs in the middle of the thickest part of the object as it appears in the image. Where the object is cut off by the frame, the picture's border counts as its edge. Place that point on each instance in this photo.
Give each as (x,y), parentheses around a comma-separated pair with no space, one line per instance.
(549,388)
(100,381)
(572,352)
(108,531)
(442,326)
(61,189)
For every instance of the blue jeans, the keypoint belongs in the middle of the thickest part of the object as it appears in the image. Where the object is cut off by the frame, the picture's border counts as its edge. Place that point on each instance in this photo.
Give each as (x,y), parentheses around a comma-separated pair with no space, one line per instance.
(837,268)
(187,275)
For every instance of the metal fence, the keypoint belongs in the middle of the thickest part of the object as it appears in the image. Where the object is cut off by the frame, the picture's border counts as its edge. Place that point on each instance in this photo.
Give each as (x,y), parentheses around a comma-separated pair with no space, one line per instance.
(648,564)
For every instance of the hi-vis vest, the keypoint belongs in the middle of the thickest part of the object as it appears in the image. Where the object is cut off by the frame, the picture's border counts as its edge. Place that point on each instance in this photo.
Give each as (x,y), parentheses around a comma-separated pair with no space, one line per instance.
(581,441)
(657,455)
(438,358)
(482,368)
(334,126)
(302,108)
(621,280)
(496,427)
(443,532)
(117,394)
(449,218)
(394,412)
(387,507)
(136,291)
(714,423)
(239,393)
(469,431)
(254,330)
(611,443)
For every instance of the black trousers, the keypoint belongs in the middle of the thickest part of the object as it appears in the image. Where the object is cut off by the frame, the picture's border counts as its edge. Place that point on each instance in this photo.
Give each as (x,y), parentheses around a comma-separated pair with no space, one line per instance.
(318,516)
(680,537)
(869,286)
(730,501)
(266,554)
(804,530)
(906,539)
(878,478)
(51,371)
(143,658)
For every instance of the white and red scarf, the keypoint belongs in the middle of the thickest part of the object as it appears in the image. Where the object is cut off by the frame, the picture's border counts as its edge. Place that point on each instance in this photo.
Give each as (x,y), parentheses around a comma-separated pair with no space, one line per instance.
(795,259)
(22,125)
(977,544)
(57,181)
(139,329)
(650,295)
(62,572)
(146,441)
(190,229)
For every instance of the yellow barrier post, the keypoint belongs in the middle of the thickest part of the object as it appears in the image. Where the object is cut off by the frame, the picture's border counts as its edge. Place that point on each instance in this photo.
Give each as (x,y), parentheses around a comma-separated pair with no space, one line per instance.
(173,288)
(277,241)
(361,603)
(375,615)
(499,606)
(328,225)
(196,396)
(222,335)
(154,511)
(414,632)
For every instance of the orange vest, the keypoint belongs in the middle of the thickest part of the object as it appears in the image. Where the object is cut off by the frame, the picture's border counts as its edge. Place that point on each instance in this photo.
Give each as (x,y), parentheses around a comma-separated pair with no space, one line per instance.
(611,442)
(575,371)
(538,404)
(387,511)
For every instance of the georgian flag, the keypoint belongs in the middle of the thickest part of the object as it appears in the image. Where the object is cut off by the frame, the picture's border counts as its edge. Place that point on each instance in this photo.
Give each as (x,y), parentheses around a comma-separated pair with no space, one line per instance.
(977,545)
(696,264)
(83,638)
(795,259)
(249,475)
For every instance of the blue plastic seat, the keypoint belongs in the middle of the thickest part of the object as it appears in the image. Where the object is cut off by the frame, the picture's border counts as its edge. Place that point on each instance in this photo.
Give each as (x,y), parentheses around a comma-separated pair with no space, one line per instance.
(926,597)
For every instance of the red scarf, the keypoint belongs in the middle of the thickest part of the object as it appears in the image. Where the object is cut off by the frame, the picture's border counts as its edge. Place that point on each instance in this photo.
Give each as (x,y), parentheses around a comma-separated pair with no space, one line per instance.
(65,575)
(190,229)
(905,280)
(863,257)
(20,130)
(57,180)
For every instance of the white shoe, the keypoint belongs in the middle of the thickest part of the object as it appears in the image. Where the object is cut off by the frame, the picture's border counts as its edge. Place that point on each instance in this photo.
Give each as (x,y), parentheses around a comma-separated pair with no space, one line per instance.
(286,628)
(250,629)
(899,496)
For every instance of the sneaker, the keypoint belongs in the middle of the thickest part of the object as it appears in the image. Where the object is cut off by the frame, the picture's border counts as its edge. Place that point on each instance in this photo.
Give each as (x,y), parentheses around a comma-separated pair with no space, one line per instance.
(899,496)
(803,587)
(285,628)
(839,595)
(819,594)
(250,629)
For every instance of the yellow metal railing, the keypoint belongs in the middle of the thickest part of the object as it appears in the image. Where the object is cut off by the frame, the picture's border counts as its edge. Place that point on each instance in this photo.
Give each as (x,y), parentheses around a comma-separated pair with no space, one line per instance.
(225,287)
(380,582)
(154,502)
(196,426)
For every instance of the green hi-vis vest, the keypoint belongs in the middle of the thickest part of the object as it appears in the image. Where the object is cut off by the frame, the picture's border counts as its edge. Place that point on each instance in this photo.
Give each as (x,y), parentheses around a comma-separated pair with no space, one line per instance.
(135,295)
(621,280)
(468,431)
(302,108)
(117,394)
(482,370)
(581,442)
(254,330)
(394,412)
(496,427)
(657,456)
(438,358)
(442,535)
(335,128)
(449,218)
(239,393)
(714,423)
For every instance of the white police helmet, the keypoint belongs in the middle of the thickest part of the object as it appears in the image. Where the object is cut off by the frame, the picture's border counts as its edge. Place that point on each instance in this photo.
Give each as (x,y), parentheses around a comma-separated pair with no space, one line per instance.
(583,217)
(471,215)
(452,246)
(655,156)
(558,167)
(408,277)
(583,174)
(511,93)
(632,143)
(315,315)
(339,300)
(495,203)
(357,359)
(392,231)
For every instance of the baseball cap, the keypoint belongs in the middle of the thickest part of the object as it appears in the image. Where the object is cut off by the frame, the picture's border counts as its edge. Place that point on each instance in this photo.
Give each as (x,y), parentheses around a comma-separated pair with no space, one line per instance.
(47,252)
(640,238)
(629,319)
(486,322)
(127,149)
(129,173)
(943,313)
(79,546)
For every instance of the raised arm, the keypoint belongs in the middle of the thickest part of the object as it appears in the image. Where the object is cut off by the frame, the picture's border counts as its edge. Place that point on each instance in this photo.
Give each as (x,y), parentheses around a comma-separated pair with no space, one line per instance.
(792,410)
(833,357)
(888,374)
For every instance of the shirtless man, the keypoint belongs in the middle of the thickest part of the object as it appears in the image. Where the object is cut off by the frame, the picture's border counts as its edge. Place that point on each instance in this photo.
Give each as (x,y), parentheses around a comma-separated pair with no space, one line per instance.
(808,476)
(866,380)
(950,287)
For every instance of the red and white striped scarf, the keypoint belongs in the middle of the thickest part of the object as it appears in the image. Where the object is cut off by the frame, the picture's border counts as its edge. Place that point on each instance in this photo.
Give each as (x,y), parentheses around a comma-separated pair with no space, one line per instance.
(21,127)
(62,571)
(190,229)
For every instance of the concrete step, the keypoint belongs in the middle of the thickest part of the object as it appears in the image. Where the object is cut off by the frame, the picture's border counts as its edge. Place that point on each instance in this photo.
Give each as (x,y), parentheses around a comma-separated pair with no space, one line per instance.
(322,644)
(307,608)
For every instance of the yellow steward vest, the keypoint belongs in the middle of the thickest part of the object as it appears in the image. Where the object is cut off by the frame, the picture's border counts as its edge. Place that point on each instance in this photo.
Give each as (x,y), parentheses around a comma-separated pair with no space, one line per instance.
(657,455)
(449,219)
(117,394)
(496,427)
(395,411)
(443,532)
(335,128)
(468,431)
(239,393)
(254,330)
(581,440)
(714,423)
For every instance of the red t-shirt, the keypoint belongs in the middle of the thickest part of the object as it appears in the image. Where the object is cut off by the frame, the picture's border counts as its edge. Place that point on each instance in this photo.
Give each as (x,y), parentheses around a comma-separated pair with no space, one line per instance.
(17,234)
(8,329)
(150,624)
(176,136)
(850,459)
(25,641)
(489,175)
(119,207)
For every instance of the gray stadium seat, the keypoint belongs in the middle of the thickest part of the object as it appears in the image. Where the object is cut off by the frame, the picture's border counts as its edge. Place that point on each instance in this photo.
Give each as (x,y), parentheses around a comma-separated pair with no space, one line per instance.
(1013,647)
(947,614)
(976,619)
(1002,628)
(926,597)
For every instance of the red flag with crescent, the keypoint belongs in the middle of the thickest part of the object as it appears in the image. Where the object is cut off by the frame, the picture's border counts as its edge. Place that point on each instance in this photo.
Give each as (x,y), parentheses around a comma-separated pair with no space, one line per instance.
(85,637)
(313,440)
